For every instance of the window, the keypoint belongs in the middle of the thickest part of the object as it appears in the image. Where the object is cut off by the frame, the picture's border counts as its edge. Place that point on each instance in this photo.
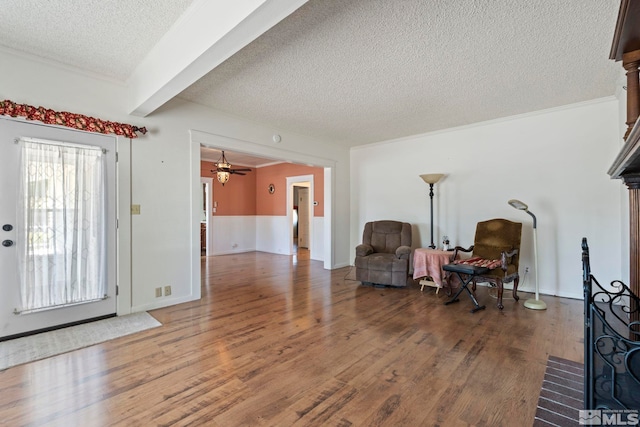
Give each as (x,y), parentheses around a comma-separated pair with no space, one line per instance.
(62,224)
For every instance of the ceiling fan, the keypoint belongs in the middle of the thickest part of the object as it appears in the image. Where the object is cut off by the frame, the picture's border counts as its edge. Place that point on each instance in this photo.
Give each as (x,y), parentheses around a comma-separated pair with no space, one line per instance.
(224,170)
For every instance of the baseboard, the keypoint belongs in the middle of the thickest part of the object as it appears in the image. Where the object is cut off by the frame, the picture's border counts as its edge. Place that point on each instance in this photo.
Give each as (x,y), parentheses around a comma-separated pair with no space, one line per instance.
(163,302)
(239,251)
(341,265)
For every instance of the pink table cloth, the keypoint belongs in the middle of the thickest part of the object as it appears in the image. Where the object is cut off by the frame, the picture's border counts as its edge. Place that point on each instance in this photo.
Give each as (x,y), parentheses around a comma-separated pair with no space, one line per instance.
(429,262)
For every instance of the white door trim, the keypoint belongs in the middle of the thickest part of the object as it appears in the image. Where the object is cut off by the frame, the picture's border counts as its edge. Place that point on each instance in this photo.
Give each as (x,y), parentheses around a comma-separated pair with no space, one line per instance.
(123,197)
(207,214)
(228,143)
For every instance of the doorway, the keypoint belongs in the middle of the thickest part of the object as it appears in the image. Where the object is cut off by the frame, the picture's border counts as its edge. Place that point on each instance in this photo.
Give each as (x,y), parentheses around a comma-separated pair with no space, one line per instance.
(300,213)
(301,216)
(325,234)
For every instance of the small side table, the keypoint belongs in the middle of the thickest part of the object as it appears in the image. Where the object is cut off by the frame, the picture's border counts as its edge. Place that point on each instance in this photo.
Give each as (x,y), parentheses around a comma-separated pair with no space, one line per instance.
(428,263)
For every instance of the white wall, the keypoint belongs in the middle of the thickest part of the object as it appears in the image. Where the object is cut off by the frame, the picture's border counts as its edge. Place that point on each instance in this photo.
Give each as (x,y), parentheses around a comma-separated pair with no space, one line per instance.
(265,233)
(555,161)
(272,234)
(233,234)
(317,240)
(165,238)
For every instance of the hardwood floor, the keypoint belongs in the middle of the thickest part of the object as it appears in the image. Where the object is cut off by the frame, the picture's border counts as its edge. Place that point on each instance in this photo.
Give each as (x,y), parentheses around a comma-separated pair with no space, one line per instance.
(279,341)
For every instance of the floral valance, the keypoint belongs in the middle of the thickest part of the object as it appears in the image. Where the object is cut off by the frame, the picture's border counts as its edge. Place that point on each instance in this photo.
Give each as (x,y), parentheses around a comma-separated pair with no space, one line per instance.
(72,120)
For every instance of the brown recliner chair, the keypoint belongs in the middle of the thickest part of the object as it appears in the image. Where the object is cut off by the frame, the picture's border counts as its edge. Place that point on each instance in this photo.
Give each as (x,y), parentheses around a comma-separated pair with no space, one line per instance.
(496,245)
(383,256)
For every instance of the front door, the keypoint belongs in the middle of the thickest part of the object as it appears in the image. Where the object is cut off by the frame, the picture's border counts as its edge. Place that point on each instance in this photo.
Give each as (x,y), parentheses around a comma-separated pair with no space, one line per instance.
(14,320)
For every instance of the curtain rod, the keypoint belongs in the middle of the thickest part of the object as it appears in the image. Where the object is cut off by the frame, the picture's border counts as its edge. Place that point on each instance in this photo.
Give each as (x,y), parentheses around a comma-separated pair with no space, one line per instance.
(60,143)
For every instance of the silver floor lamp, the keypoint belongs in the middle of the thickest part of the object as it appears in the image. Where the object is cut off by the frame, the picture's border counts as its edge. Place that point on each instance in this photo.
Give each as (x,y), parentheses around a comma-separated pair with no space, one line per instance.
(537,303)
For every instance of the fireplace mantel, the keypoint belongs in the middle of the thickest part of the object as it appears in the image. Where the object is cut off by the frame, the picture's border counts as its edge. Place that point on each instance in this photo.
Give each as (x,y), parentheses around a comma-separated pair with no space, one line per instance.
(626,48)
(628,160)
(626,35)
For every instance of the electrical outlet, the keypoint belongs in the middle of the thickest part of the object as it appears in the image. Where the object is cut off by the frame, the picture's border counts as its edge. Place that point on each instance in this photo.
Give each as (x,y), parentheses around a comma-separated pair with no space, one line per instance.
(158,292)
(167,290)
(526,269)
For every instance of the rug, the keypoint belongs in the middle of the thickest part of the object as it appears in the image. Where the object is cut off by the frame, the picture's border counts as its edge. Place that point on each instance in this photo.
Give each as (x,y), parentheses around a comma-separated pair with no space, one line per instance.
(35,347)
(562,393)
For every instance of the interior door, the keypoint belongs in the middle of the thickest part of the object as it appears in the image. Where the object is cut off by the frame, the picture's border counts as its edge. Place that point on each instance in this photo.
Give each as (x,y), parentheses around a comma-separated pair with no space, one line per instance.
(15,324)
(206,222)
(303,217)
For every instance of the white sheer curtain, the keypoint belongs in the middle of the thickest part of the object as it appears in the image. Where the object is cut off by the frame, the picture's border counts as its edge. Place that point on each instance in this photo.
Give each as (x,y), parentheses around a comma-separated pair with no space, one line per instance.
(61,224)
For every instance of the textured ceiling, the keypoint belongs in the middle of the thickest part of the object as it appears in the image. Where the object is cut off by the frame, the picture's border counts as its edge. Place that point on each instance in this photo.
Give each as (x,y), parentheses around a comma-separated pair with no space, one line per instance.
(235,158)
(372,70)
(355,71)
(104,37)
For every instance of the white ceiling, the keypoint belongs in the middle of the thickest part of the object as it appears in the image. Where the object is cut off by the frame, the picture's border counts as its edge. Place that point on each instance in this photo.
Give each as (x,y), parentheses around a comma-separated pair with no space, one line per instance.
(103,37)
(236,159)
(352,71)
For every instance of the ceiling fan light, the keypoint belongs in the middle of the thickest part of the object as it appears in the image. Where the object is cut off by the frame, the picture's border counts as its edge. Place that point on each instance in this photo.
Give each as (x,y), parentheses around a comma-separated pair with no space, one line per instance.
(223,177)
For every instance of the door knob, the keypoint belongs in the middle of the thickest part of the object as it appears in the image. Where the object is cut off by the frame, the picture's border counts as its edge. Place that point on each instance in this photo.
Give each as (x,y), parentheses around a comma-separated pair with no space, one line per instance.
(7,243)
(7,227)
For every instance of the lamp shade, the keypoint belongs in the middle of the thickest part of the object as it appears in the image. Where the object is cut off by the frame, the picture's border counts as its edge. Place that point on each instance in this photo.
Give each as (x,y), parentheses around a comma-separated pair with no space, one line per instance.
(223,177)
(518,205)
(431,178)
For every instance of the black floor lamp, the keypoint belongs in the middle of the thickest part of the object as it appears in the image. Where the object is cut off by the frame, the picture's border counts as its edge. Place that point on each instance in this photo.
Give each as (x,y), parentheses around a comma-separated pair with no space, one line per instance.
(431,178)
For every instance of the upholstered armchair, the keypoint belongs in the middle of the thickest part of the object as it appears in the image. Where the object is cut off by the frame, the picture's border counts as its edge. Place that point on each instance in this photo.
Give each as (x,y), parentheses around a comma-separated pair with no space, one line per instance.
(383,256)
(497,247)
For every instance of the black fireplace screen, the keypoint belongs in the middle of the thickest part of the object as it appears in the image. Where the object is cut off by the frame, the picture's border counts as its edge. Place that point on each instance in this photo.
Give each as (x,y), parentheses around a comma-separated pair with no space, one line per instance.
(612,342)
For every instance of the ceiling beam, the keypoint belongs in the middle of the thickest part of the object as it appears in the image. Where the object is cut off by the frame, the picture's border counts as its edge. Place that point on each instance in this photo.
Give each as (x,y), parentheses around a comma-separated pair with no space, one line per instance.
(206,35)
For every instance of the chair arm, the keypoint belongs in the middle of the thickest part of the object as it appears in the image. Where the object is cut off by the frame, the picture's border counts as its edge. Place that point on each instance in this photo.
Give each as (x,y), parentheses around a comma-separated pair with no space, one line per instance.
(364,250)
(403,252)
(505,258)
(460,249)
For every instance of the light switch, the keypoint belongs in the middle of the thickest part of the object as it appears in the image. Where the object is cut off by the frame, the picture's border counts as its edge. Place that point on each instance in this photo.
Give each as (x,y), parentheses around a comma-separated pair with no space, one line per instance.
(135,209)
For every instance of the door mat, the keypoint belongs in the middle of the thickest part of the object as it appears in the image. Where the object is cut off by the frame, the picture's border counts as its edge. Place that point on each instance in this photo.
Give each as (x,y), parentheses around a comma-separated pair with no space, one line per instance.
(35,347)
